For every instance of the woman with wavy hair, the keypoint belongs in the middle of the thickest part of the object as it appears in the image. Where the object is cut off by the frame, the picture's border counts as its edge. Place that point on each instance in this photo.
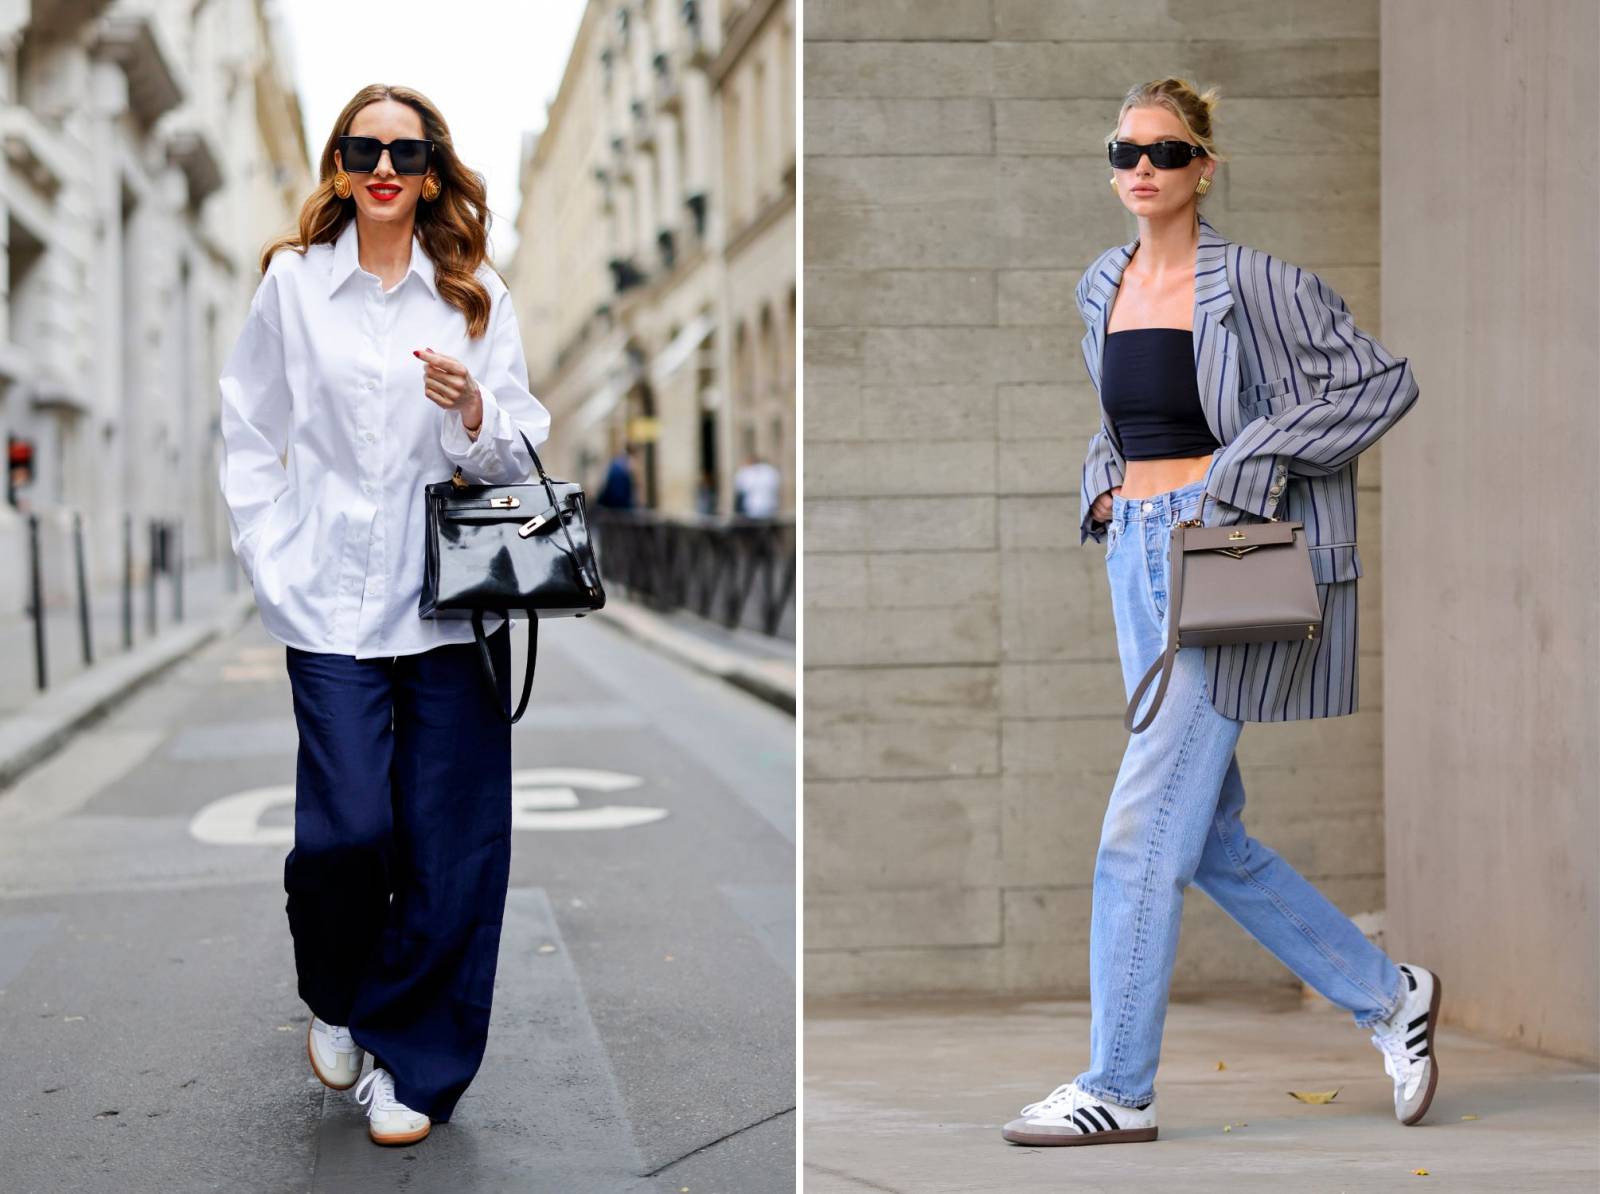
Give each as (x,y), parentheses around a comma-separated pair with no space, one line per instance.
(379,354)
(1233,385)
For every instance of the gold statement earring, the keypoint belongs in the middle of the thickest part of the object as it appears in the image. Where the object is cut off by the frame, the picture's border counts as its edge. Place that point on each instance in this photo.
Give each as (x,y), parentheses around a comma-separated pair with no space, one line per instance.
(341,185)
(431,187)
(1202,186)
(1113,181)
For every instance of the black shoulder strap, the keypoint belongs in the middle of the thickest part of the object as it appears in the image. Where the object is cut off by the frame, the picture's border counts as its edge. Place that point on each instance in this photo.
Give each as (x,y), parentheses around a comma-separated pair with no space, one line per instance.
(488,664)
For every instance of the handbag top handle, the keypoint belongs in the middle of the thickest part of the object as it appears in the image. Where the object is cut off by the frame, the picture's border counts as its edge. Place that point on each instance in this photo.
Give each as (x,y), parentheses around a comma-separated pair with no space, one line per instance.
(550,492)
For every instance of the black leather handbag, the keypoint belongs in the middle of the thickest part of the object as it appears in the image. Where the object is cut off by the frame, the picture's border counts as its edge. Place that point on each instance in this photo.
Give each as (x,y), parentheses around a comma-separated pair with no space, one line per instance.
(508,547)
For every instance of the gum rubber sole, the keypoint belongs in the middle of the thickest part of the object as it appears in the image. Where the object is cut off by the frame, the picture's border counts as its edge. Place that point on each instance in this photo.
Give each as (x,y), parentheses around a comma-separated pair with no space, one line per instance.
(1046,1139)
(400,1137)
(1433,1060)
(311,1056)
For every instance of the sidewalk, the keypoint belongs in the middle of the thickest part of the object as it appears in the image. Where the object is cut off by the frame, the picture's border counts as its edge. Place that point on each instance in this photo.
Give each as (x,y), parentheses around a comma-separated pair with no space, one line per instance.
(908,1098)
(33,724)
(761,665)
(204,592)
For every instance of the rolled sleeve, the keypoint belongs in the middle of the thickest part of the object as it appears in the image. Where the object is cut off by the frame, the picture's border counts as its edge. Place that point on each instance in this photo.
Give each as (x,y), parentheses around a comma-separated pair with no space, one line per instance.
(498,456)
(1359,391)
(254,422)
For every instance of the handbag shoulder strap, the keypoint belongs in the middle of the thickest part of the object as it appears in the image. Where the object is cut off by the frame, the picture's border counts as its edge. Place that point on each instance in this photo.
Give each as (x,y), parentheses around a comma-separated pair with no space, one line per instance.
(550,491)
(1168,656)
(488,663)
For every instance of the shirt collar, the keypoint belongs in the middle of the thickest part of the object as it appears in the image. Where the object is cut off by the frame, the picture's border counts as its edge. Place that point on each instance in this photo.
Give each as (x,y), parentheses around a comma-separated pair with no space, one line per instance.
(347,259)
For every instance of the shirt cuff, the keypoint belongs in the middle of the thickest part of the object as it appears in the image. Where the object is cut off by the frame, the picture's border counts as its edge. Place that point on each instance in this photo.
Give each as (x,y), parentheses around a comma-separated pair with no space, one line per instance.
(475,456)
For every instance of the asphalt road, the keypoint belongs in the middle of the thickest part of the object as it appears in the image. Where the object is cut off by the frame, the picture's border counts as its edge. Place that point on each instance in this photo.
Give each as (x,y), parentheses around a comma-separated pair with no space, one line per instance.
(643,1028)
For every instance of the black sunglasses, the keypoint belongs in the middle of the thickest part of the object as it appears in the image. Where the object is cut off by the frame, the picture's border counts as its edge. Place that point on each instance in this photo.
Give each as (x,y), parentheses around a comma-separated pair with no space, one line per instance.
(1164,155)
(407,155)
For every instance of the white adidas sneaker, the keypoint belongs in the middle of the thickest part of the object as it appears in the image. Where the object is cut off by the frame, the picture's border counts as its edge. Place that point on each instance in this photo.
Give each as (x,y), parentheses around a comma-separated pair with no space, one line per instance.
(389,1121)
(1406,1039)
(335,1057)
(1068,1115)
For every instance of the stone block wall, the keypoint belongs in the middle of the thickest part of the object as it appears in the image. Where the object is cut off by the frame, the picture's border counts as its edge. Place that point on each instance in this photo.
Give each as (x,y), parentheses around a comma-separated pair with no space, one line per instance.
(963,701)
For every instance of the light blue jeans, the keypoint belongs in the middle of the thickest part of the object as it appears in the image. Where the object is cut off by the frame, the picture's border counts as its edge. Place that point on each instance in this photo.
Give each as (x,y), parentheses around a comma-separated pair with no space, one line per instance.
(1174,819)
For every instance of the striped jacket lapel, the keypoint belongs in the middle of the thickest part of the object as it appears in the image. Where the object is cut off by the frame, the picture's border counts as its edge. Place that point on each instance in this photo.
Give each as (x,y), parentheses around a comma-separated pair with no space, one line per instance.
(1216,353)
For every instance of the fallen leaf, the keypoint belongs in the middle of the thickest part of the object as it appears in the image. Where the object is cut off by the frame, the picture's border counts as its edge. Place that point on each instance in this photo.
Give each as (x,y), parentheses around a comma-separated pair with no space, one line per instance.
(1420,1172)
(1316,1096)
(1220,1066)
(1227,1127)
(1469,1117)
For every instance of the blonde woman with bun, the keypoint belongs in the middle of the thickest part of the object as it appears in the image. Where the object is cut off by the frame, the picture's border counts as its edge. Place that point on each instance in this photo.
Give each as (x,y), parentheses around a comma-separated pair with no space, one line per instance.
(1233,386)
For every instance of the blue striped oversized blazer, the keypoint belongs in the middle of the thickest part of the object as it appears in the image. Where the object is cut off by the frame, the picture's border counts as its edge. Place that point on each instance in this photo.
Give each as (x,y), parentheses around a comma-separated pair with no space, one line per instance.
(1294,392)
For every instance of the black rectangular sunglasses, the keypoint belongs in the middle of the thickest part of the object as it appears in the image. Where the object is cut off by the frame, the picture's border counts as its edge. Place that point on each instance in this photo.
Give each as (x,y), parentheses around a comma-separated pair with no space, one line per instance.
(1164,155)
(407,155)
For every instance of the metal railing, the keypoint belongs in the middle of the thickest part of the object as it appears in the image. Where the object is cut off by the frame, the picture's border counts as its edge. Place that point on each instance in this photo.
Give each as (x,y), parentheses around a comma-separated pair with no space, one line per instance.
(736,571)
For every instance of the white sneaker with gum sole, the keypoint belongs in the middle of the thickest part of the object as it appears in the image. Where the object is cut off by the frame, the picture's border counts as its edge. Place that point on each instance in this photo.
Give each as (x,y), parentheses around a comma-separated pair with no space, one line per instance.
(389,1121)
(1406,1040)
(335,1057)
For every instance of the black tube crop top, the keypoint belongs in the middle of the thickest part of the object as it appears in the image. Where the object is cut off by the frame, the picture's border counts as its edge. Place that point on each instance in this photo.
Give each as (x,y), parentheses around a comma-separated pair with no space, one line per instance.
(1148,389)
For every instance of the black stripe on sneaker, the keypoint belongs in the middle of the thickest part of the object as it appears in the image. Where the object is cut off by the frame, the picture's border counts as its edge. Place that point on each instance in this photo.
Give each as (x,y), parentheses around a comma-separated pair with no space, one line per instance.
(1422,1052)
(1104,1114)
(1410,978)
(1417,1040)
(1420,1020)
(1087,1124)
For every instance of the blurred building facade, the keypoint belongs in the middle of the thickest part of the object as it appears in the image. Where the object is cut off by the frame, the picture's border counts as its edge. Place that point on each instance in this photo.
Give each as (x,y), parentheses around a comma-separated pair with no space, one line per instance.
(655,270)
(150,150)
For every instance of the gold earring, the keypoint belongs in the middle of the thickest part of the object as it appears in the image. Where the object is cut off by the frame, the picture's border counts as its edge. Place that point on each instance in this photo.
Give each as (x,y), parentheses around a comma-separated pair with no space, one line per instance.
(1202,186)
(431,187)
(341,185)
(1113,181)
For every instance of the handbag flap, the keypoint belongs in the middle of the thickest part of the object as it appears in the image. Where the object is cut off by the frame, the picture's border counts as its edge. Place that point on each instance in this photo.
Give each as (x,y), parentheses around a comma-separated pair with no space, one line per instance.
(1242,535)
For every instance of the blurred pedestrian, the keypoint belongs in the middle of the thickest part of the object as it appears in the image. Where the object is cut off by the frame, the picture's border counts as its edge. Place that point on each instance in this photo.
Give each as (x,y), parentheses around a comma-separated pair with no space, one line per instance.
(381,352)
(756,485)
(616,492)
(705,494)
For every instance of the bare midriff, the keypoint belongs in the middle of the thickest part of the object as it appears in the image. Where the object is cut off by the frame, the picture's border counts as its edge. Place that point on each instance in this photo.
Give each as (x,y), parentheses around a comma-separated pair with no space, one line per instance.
(1146,478)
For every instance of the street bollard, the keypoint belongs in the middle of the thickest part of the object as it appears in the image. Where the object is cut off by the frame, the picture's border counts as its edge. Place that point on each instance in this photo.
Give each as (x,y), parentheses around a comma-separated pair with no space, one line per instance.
(36,604)
(127,582)
(177,570)
(150,579)
(83,588)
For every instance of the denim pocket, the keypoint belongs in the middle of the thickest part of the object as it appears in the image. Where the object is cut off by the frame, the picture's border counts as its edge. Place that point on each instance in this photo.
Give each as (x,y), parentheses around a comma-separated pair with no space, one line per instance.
(1114,533)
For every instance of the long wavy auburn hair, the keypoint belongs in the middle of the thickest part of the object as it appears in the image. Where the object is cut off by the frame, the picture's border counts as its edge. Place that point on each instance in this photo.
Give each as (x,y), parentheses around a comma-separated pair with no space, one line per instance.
(454,228)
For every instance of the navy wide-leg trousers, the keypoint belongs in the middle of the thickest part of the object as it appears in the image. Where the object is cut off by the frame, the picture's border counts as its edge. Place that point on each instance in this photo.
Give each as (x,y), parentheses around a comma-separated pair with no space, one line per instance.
(402,854)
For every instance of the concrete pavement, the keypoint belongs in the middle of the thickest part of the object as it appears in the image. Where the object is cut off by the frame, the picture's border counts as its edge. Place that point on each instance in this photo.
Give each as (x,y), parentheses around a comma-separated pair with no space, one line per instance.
(909,1098)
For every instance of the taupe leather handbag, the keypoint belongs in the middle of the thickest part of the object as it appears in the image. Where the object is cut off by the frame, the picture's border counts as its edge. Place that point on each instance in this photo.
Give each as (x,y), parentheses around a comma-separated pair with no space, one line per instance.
(1245,583)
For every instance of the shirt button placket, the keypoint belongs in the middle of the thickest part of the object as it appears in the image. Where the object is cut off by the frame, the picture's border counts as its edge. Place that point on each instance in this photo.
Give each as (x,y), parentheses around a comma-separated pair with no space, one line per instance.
(371,622)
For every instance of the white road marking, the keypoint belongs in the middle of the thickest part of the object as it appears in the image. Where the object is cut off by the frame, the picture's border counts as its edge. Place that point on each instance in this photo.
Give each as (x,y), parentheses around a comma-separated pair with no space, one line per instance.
(542,798)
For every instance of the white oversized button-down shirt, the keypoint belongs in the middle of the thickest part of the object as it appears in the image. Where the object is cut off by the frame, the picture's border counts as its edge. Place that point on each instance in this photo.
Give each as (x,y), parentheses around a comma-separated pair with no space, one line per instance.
(323,371)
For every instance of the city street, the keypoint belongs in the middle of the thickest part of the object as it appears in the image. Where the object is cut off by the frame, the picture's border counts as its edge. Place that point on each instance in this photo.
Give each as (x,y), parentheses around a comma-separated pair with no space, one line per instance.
(643,1026)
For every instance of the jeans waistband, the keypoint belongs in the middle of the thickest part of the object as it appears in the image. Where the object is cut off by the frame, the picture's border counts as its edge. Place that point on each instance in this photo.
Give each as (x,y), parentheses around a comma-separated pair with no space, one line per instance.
(1173,506)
